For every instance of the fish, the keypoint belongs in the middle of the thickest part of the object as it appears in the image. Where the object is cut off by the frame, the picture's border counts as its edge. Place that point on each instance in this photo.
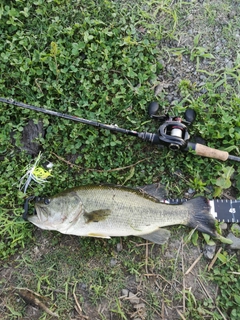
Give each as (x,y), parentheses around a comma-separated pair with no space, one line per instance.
(104,211)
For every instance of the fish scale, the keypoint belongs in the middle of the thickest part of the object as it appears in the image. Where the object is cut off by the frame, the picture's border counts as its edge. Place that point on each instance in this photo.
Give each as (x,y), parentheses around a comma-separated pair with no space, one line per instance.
(126,201)
(108,211)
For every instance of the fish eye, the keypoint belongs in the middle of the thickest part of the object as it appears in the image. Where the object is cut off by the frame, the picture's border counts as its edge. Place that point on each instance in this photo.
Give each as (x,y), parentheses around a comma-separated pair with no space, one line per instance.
(47,201)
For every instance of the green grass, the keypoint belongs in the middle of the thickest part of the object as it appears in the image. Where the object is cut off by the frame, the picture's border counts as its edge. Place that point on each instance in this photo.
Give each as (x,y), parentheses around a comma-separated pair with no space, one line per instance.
(100,61)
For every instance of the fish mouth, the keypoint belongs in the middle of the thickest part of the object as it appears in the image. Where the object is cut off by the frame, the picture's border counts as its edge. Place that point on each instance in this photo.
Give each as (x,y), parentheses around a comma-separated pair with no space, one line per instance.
(41,212)
(41,218)
(40,209)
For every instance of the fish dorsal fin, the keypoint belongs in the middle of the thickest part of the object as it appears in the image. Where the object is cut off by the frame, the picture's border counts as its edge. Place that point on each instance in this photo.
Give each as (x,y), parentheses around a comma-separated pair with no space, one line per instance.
(96,215)
(154,190)
(159,236)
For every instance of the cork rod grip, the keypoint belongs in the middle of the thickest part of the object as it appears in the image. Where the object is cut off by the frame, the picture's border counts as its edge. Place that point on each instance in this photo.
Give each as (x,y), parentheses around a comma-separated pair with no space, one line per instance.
(205,151)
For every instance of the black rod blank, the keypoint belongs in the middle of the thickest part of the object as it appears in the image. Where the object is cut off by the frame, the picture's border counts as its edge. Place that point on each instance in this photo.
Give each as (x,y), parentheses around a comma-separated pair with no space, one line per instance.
(151,137)
(69,117)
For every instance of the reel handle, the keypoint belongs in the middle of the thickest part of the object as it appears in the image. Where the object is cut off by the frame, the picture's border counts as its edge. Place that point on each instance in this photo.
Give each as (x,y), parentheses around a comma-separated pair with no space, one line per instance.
(153,108)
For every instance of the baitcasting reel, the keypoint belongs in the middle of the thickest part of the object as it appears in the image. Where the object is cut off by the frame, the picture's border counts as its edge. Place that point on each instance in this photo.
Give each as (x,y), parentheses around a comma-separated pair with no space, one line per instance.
(173,131)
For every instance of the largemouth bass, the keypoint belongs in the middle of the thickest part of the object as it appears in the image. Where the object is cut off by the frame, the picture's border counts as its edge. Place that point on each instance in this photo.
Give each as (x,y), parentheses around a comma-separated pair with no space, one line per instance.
(108,211)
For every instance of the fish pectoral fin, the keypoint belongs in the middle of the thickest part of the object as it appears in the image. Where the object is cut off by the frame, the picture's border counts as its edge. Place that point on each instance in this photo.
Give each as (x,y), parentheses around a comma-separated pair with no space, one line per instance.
(98,235)
(96,215)
(159,236)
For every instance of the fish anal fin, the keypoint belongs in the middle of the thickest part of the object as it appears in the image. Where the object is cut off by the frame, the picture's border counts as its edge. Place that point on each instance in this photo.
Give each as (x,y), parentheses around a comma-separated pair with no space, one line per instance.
(159,236)
(98,235)
(97,215)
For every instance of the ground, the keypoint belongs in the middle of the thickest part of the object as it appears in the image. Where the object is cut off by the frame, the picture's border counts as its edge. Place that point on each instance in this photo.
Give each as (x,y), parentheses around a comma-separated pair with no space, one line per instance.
(128,278)
(154,274)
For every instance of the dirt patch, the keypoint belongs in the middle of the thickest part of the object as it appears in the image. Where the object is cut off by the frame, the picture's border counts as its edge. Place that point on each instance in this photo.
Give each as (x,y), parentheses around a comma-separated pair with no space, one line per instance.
(62,270)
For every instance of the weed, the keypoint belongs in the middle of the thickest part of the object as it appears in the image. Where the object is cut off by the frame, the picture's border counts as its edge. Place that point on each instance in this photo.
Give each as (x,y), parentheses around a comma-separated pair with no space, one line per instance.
(198,52)
(226,274)
(224,181)
(82,66)
(119,310)
(99,61)
(101,72)
(186,87)
(235,230)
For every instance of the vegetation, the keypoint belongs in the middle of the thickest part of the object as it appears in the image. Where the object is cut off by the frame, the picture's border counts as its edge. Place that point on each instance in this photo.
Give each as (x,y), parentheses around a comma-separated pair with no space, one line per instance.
(100,60)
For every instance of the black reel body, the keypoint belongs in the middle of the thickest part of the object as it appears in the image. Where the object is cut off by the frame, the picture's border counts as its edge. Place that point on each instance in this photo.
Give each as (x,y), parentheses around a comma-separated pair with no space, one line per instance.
(174,134)
(173,131)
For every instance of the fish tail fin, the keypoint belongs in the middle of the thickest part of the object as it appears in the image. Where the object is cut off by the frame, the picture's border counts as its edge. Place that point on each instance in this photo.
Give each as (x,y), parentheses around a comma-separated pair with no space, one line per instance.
(200,216)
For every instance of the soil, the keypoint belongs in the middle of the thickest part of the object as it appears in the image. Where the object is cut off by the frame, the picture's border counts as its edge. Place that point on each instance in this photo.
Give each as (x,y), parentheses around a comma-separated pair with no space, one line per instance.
(129,278)
(154,292)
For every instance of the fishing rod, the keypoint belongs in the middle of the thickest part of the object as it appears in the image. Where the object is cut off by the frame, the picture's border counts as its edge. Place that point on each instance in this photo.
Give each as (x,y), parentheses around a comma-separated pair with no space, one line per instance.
(173,131)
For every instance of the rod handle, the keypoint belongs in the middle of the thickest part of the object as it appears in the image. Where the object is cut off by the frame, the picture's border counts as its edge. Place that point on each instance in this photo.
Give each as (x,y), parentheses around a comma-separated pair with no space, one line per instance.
(205,151)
